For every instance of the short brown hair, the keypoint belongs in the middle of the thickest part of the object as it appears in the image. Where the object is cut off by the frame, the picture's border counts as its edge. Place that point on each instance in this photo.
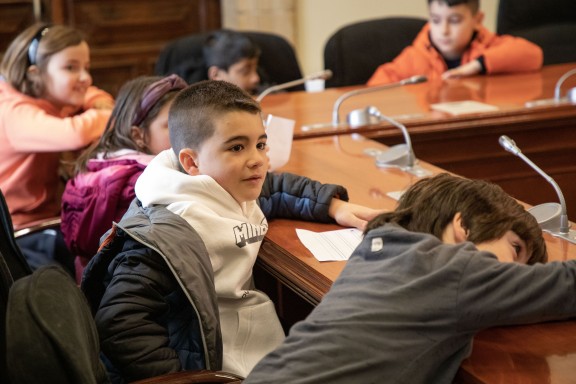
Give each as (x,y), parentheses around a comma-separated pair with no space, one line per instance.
(15,63)
(487,212)
(192,114)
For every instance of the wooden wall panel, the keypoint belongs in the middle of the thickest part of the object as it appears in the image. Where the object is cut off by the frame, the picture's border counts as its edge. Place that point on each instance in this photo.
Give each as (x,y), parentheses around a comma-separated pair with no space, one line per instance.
(125,36)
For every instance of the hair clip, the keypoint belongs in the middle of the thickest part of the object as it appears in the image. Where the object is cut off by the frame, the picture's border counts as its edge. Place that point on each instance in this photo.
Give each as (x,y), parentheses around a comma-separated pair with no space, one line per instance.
(33,47)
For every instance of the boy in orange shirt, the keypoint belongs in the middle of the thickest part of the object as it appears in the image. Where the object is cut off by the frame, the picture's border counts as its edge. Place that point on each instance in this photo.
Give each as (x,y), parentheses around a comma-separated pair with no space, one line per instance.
(454,43)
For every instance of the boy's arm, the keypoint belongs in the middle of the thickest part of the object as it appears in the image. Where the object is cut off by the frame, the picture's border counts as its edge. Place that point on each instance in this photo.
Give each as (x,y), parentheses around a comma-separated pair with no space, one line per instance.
(127,318)
(492,293)
(469,69)
(512,54)
(289,196)
(402,67)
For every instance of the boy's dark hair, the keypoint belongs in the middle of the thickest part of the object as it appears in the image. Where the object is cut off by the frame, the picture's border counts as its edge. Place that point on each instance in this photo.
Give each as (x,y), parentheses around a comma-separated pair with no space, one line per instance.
(224,48)
(487,212)
(192,114)
(474,5)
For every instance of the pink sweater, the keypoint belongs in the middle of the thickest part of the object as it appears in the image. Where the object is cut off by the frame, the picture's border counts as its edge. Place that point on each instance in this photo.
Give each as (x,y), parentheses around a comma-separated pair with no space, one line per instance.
(33,133)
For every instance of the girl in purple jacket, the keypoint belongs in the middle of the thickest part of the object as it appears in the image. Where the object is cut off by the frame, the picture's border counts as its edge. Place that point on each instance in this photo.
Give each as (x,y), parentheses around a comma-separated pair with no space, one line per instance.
(105,174)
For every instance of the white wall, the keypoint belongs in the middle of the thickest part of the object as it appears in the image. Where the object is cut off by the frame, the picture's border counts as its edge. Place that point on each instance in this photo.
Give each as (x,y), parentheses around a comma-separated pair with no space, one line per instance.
(317,20)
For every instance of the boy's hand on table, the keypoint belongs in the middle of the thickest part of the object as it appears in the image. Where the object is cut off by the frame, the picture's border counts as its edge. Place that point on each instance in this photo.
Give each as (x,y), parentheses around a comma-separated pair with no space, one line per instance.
(352,215)
(469,69)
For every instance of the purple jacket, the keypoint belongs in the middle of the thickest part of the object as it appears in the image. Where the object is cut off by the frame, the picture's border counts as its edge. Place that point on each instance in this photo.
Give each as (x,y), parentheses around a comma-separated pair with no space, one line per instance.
(93,200)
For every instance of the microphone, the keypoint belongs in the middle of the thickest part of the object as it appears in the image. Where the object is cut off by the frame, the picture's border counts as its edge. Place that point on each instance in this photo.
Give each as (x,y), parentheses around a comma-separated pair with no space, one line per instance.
(335,111)
(571,92)
(324,75)
(399,156)
(548,223)
(558,99)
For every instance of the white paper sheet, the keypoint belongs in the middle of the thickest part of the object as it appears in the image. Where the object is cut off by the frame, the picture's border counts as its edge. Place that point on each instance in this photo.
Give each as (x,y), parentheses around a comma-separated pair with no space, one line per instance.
(463,107)
(280,132)
(331,245)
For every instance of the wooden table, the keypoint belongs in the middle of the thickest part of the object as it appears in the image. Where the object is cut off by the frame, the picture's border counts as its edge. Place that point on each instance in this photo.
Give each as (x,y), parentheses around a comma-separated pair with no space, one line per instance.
(468,144)
(541,353)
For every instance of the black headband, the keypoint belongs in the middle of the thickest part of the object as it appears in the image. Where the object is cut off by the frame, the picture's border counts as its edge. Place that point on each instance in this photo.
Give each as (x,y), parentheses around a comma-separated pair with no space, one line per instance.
(33,47)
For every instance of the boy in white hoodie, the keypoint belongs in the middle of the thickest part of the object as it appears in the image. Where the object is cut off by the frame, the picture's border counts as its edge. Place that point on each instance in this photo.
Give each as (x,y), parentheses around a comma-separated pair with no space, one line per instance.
(216,178)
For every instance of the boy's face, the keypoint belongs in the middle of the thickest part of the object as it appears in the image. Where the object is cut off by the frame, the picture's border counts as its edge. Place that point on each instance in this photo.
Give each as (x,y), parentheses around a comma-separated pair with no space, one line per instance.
(235,156)
(509,248)
(244,74)
(451,28)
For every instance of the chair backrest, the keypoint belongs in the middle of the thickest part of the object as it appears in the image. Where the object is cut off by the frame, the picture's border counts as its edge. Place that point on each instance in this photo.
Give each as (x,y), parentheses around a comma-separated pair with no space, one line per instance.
(550,24)
(50,334)
(13,266)
(355,51)
(6,282)
(278,61)
(10,251)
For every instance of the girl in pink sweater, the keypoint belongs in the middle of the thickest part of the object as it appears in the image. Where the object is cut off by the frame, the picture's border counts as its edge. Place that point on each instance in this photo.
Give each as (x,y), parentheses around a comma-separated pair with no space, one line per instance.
(47,106)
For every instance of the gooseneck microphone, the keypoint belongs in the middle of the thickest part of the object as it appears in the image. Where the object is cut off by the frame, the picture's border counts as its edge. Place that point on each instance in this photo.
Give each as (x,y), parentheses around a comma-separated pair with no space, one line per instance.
(561,80)
(324,75)
(336,110)
(557,99)
(564,230)
(398,156)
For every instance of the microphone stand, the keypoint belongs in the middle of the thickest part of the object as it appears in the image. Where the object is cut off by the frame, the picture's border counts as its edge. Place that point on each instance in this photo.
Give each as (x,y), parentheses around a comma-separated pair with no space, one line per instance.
(325,75)
(340,100)
(558,99)
(399,156)
(564,230)
(559,85)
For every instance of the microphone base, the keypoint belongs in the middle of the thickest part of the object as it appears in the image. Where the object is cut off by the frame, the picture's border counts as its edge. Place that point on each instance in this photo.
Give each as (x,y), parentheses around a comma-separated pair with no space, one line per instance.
(397,157)
(417,171)
(570,236)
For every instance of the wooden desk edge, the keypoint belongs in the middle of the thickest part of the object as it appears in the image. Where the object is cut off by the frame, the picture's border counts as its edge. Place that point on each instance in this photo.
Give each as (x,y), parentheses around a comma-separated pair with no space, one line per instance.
(292,272)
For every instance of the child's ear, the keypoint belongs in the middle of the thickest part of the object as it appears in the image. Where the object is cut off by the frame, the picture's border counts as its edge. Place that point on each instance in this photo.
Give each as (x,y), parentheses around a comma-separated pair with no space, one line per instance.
(454,232)
(460,233)
(187,158)
(479,17)
(33,73)
(213,72)
(138,137)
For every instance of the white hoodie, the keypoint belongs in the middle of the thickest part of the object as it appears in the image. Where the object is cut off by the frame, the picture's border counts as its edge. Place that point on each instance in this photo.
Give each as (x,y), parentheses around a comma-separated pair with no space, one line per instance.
(232,234)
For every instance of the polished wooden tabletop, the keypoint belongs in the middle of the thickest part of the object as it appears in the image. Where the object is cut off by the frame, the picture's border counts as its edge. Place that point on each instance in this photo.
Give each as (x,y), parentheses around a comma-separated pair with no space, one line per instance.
(467,144)
(527,97)
(541,353)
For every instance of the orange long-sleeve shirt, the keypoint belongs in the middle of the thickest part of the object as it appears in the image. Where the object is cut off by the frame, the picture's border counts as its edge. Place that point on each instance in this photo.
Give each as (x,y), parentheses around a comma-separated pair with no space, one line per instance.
(502,54)
(33,134)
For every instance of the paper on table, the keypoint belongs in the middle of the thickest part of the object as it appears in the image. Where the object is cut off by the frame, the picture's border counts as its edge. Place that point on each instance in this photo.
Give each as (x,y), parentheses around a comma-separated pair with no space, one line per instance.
(331,245)
(280,132)
(463,107)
